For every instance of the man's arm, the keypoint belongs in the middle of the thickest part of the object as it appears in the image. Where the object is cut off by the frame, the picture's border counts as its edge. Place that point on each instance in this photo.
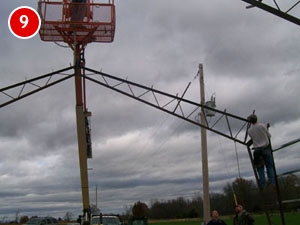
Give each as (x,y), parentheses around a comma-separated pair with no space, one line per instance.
(267,131)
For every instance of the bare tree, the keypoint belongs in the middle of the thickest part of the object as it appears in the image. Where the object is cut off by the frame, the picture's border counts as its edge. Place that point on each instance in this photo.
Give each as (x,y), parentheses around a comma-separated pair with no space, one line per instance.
(68,216)
(24,219)
(140,209)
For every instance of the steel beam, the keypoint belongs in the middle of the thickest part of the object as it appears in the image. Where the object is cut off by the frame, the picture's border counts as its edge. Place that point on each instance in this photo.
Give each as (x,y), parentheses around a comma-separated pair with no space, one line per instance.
(38,88)
(274,11)
(173,112)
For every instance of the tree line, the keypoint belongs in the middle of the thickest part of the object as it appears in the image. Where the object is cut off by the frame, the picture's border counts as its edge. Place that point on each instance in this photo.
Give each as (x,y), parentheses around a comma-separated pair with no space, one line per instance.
(244,191)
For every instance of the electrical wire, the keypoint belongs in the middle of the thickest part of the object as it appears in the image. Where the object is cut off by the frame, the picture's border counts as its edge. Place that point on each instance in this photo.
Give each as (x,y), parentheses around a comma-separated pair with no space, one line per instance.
(226,167)
(63,46)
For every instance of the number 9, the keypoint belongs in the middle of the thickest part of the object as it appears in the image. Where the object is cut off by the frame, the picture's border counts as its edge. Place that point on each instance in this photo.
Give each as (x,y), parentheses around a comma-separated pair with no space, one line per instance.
(24,22)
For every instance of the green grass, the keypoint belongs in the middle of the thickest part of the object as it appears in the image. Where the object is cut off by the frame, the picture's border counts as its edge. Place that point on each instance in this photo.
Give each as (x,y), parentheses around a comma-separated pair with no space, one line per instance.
(290,219)
(178,222)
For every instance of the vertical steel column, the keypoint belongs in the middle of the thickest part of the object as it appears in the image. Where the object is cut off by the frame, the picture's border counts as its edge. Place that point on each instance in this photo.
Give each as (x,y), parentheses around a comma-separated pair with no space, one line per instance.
(81,135)
(277,188)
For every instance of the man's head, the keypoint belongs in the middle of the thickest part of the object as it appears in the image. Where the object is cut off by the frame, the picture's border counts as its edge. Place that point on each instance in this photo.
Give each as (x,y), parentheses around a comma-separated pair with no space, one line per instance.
(252,118)
(215,214)
(238,208)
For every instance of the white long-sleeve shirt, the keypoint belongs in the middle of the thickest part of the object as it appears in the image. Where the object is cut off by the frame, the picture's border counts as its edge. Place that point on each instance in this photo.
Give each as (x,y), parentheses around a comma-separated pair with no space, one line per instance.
(259,135)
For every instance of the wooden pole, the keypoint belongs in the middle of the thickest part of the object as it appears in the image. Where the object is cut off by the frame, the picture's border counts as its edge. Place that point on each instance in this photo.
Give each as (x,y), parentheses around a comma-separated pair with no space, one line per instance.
(205,180)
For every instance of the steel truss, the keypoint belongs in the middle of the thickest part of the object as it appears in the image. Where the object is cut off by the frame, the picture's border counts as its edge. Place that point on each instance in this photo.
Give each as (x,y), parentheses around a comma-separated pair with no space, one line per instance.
(225,124)
(276,10)
(26,88)
(236,128)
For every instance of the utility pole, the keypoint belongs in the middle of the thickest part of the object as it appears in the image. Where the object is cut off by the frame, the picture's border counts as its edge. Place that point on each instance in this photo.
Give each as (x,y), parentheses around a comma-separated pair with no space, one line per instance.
(206,200)
(96,196)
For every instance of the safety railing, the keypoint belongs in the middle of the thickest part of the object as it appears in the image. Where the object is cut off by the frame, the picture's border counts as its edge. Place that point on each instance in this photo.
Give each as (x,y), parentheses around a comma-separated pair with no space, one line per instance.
(82,22)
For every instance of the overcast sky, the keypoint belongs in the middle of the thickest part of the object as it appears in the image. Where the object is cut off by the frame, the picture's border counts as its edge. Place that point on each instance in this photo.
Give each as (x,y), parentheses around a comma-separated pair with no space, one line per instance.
(251,62)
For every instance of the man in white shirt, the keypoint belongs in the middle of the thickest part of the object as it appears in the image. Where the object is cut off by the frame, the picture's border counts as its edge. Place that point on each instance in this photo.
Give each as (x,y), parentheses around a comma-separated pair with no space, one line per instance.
(262,150)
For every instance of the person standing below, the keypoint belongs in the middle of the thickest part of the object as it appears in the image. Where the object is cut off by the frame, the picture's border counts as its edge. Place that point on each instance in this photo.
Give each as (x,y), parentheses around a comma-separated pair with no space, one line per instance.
(242,217)
(215,219)
(262,150)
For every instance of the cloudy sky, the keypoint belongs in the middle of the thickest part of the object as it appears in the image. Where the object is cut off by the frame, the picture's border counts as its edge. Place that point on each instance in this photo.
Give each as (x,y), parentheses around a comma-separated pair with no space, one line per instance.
(251,62)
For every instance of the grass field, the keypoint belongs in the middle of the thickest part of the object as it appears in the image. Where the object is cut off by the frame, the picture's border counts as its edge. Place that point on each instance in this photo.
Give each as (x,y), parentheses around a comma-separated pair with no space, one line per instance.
(290,219)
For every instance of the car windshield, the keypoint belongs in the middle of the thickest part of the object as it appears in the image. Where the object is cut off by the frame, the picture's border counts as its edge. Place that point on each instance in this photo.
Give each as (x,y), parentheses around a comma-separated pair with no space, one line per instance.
(34,221)
(96,220)
(110,221)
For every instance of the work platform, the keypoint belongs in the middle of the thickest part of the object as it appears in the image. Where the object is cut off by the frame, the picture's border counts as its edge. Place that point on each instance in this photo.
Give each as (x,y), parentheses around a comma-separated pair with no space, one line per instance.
(67,21)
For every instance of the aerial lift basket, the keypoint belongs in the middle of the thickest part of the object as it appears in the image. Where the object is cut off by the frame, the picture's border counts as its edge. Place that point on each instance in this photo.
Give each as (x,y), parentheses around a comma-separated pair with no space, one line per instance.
(68,21)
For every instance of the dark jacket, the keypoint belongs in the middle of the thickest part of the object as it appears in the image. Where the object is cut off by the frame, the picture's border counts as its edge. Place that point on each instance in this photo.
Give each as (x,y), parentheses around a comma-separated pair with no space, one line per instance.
(216,222)
(243,219)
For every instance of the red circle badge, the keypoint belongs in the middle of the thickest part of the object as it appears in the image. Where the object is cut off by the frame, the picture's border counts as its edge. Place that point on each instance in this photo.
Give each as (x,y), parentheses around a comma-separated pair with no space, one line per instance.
(24,22)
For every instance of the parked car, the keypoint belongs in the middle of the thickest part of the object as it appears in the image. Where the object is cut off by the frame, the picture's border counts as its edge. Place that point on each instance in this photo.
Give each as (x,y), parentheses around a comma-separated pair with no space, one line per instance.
(106,220)
(42,221)
(138,221)
(110,220)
